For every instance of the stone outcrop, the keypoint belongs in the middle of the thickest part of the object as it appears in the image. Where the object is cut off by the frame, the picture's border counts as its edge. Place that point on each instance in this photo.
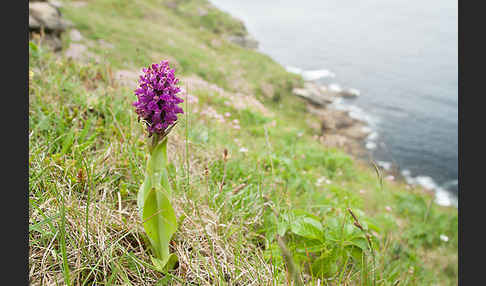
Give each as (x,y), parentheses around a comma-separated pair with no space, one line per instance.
(336,128)
(315,94)
(46,22)
(246,41)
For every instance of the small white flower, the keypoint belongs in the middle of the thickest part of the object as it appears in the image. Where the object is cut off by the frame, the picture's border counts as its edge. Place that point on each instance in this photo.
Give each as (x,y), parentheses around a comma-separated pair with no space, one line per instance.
(444,238)
(227,114)
(362,191)
(237,127)
(388,208)
(390,178)
(243,150)
(300,134)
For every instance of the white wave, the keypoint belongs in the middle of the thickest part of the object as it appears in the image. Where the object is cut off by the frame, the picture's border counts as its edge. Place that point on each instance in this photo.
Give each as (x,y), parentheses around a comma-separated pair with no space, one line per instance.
(335,87)
(354,91)
(406,174)
(311,75)
(442,196)
(452,183)
(317,74)
(370,145)
(372,136)
(366,129)
(355,112)
(385,165)
(292,69)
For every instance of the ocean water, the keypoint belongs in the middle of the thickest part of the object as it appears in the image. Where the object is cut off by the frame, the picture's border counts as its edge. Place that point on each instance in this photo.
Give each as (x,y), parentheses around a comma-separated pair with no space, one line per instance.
(400,56)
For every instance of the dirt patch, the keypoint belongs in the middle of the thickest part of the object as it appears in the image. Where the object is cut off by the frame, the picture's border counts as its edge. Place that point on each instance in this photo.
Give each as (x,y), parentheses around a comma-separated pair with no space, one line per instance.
(127,78)
(237,100)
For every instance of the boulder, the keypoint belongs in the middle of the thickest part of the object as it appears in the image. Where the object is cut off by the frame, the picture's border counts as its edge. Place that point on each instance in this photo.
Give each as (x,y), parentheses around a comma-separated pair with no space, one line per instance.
(314,93)
(350,93)
(47,16)
(332,120)
(34,23)
(75,35)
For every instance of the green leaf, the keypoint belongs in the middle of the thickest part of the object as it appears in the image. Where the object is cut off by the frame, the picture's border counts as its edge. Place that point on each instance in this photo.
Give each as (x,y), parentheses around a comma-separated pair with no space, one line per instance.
(68,142)
(160,221)
(37,226)
(33,46)
(165,265)
(307,227)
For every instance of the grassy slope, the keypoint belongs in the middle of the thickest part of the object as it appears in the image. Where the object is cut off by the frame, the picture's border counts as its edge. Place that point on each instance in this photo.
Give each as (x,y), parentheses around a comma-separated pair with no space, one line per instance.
(87,156)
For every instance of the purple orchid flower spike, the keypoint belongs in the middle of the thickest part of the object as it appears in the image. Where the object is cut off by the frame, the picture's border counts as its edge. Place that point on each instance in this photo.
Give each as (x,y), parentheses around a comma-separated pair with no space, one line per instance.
(157,103)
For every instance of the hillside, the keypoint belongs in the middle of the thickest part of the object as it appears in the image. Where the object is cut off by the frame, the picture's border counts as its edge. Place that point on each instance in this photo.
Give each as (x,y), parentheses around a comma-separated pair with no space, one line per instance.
(246,168)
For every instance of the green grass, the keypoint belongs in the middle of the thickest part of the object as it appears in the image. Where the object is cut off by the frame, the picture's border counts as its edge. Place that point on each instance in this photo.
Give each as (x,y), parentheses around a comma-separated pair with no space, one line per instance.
(87,155)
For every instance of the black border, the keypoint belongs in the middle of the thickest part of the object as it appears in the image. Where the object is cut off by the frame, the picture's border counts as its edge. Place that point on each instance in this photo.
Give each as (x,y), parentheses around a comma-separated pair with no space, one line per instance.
(14,115)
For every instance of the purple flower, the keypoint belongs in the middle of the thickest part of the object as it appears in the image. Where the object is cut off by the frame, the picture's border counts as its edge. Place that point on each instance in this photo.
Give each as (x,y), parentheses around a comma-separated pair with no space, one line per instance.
(157,98)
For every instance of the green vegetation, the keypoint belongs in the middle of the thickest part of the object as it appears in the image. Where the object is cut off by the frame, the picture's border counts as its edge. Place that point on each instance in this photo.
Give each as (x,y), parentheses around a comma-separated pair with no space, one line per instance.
(275,188)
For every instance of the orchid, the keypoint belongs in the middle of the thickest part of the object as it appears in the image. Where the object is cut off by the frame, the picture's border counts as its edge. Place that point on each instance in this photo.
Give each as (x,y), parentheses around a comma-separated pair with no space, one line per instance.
(157,106)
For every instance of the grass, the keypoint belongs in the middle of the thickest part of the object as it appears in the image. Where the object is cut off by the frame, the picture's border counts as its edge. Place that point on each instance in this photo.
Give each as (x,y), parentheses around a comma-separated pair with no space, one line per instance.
(249,179)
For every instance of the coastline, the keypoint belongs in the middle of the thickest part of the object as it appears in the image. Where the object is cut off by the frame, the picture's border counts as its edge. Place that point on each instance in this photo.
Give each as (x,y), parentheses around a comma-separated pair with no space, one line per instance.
(444,188)
(243,163)
(344,126)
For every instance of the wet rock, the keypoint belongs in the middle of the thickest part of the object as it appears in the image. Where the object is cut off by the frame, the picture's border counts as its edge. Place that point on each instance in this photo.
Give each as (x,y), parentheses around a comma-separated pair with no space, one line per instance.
(349,93)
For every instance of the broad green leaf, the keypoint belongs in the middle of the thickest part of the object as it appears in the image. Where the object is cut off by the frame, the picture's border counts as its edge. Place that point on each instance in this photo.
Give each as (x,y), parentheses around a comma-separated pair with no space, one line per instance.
(307,227)
(165,265)
(160,222)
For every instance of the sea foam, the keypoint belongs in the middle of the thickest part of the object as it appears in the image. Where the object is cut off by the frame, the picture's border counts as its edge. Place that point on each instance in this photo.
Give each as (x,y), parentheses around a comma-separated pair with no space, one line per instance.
(311,75)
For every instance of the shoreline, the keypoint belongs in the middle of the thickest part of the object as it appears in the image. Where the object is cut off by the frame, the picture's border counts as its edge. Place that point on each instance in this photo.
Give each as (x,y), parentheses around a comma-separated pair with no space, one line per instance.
(353,134)
(350,138)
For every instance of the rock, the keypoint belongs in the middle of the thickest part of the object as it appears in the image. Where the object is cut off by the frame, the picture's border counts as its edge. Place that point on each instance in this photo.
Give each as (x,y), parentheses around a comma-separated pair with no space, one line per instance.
(76,51)
(314,94)
(350,92)
(44,15)
(356,132)
(244,41)
(75,35)
(33,23)
(50,40)
(55,3)
(127,78)
(267,90)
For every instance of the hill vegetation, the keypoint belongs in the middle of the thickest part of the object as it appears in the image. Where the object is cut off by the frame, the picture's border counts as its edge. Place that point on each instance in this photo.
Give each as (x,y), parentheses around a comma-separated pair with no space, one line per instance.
(255,193)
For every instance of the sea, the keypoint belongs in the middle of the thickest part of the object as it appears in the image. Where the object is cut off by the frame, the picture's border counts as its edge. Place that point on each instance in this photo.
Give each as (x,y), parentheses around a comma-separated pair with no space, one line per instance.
(400,57)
